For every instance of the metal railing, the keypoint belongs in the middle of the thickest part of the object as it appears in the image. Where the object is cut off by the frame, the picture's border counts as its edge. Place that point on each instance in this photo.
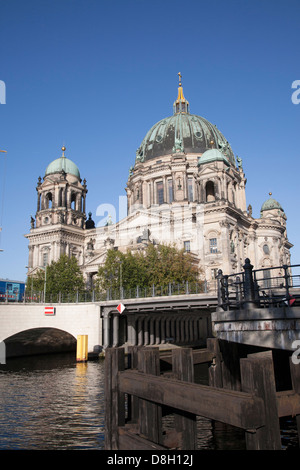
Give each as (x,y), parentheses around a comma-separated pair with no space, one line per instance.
(171,289)
(272,286)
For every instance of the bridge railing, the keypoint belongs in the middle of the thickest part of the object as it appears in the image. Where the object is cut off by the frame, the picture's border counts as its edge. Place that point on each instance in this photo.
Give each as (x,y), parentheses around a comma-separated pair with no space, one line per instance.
(171,289)
(272,286)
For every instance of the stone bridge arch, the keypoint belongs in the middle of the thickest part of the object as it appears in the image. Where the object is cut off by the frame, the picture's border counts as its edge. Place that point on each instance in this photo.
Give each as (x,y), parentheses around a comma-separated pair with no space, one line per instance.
(35,341)
(73,319)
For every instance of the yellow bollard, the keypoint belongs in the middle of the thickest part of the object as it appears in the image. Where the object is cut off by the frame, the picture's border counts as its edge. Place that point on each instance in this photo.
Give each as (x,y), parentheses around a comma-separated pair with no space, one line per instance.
(82,348)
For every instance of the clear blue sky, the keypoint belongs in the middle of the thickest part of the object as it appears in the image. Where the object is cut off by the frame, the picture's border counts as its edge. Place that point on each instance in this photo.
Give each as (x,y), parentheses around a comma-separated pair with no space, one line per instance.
(95,75)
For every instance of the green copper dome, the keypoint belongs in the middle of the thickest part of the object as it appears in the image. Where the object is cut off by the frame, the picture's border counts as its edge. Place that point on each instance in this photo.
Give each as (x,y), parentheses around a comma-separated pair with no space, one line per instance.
(62,164)
(182,132)
(271,204)
(212,155)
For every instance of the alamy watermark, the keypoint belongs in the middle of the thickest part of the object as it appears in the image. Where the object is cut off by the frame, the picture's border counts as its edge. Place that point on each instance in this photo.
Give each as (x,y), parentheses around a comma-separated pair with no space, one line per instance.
(296,94)
(182,223)
(296,354)
(2,92)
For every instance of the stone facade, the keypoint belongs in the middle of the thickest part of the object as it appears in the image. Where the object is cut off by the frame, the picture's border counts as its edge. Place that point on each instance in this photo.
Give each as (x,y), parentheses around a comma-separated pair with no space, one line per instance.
(186,187)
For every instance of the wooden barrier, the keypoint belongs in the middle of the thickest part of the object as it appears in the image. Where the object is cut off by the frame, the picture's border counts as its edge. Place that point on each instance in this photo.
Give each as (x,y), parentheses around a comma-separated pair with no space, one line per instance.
(138,396)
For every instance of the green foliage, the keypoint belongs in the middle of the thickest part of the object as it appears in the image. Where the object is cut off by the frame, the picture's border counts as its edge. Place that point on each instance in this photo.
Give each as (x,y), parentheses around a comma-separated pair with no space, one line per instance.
(35,283)
(63,276)
(157,265)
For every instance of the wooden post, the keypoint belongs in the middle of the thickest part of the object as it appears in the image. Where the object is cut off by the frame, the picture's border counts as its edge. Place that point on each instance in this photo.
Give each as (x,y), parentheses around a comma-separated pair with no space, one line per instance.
(150,414)
(230,365)
(133,402)
(295,376)
(114,400)
(215,369)
(257,377)
(183,369)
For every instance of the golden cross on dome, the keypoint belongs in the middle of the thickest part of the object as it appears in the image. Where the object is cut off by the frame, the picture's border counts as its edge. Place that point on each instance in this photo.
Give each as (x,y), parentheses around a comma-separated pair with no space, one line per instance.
(179,75)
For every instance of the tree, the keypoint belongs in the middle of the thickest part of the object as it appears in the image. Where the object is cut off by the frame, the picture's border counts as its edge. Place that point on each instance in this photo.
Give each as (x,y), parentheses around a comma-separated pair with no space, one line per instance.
(156,265)
(63,276)
(36,282)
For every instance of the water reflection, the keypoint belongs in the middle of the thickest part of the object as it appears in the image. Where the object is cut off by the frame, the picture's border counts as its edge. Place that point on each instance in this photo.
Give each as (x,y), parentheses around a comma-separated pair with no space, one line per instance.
(51,402)
(54,403)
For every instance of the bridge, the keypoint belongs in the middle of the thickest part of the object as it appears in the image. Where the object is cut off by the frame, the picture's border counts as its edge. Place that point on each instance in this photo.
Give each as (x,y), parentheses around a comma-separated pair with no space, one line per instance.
(249,386)
(28,328)
(259,307)
(256,307)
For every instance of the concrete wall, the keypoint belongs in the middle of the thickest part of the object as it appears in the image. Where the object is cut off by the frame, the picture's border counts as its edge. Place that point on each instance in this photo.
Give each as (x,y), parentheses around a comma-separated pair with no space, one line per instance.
(76,319)
(275,328)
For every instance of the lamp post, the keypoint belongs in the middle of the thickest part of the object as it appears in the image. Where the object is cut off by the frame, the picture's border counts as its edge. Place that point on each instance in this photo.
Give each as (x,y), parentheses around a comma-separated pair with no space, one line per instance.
(45,281)
(45,284)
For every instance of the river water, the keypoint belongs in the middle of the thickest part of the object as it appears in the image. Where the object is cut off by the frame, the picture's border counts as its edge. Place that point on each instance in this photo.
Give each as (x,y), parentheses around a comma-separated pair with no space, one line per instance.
(54,403)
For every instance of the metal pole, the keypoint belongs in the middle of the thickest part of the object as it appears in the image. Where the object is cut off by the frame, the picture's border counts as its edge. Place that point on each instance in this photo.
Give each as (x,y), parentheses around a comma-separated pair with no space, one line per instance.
(249,296)
(45,284)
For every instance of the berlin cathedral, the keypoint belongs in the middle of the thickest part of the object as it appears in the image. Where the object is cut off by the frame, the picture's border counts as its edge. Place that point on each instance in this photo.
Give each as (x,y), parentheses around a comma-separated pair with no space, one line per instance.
(186,188)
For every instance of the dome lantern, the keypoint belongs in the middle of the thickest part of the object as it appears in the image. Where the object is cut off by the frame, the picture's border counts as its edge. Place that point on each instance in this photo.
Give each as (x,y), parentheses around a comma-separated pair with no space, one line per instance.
(181,105)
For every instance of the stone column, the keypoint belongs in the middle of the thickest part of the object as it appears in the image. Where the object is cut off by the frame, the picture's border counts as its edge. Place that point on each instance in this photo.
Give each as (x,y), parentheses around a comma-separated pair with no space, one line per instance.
(115,330)
(173,328)
(152,193)
(140,331)
(131,330)
(55,202)
(152,323)
(162,330)
(157,330)
(168,329)
(38,201)
(106,327)
(30,258)
(165,188)
(146,331)
(178,330)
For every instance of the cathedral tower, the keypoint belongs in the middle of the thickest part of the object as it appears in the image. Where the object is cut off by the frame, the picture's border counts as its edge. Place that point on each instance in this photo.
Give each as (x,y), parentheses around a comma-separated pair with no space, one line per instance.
(58,227)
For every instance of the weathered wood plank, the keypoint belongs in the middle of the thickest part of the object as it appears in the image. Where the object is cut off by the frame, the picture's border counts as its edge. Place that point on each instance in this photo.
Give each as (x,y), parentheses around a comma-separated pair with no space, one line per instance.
(215,369)
(257,376)
(183,369)
(295,376)
(133,402)
(288,403)
(200,356)
(150,414)
(114,399)
(130,441)
(232,407)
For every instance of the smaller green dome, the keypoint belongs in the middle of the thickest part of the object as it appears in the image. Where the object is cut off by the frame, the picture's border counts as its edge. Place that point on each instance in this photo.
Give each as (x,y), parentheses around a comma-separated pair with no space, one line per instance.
(271,204)
(212,155)
(62,164)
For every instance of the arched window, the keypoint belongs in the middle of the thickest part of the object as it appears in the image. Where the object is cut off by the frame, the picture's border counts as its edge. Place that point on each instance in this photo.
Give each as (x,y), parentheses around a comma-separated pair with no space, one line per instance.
(60,197)
(160,192)
(73,201)
(48,200)
(190,190)
(210,191)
